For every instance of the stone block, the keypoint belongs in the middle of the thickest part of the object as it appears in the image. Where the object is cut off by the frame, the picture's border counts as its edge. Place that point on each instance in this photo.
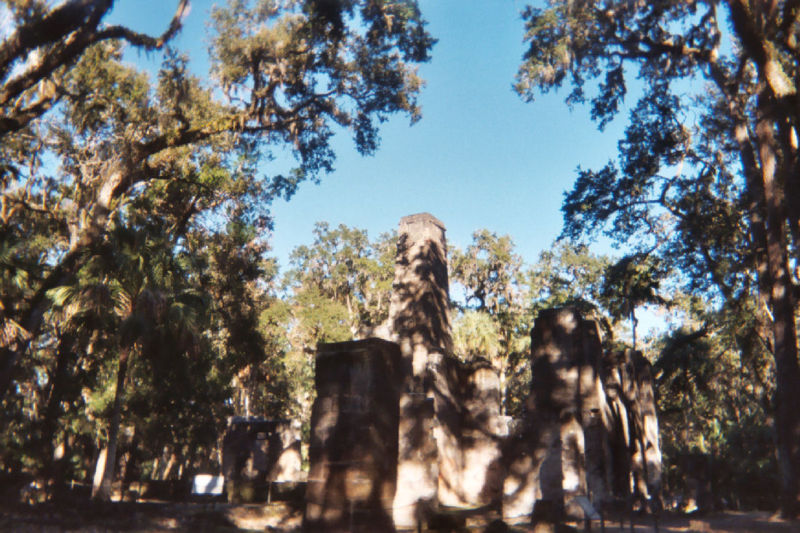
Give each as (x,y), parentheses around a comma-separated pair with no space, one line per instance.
(257,451)
(483,434)
(532,462)
(420,324)
(560,449)
(354,428)
(418,462)
(470,431)
(647,457)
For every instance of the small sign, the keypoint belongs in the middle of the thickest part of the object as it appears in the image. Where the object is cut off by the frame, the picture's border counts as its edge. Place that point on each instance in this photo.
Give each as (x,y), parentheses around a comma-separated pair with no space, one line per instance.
(208,485)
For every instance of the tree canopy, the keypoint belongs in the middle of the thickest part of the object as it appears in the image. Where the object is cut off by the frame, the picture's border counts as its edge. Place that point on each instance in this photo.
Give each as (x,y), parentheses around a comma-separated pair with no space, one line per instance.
(140,304)
(135,209)
(706,178)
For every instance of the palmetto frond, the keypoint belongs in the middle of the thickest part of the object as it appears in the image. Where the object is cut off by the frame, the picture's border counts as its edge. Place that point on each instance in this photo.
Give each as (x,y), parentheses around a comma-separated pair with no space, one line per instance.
(11,332)
(63,295)
(123,304)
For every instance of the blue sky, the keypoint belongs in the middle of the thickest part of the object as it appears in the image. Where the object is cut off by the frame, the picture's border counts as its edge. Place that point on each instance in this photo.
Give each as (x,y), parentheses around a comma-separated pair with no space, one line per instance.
(479,158)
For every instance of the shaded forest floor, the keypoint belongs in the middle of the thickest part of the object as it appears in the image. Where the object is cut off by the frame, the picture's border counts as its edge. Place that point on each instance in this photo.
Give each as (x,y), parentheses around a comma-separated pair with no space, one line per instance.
(282,517)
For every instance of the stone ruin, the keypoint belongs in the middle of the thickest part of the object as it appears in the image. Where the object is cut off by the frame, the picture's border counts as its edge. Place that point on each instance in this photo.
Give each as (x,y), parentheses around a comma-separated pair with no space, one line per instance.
(258,453)
(402,428)
(354,437)
(589,437)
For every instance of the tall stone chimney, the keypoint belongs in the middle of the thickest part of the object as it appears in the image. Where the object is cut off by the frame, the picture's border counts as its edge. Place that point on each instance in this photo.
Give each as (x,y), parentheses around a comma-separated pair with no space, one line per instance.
(419,321)
(418,313)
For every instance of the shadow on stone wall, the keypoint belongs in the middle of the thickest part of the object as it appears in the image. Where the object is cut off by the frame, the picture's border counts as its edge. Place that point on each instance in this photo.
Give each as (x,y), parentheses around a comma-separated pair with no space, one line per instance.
(589,437)
(419,312)
(471,432)
(353,449)
(257,452)
(402,429)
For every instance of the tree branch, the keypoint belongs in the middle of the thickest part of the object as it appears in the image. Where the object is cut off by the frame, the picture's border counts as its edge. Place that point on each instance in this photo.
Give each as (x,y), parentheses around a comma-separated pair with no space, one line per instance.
(70,39)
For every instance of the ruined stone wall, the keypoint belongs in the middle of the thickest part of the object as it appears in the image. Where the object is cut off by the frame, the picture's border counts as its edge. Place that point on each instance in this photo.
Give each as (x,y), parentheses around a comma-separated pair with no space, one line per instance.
(547,459)
(483,433)
(470,433)
(618,385)
(419,310)
(458,462)
(635,449)
(257,451)
(590,432)
(595,419)
(647,451)
(354,428)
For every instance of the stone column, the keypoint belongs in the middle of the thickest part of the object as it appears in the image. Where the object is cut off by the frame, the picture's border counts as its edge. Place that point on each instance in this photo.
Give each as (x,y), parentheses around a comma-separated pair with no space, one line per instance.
(618,383)
(532,461)
(558,338)
(635,449)
(354,428)
(647,457)
(565,390)
(595,418)
(418,312)
(418,316)
(483,430)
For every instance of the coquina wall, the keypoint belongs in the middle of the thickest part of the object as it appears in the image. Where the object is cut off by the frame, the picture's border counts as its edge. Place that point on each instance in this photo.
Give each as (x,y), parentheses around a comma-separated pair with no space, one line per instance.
(589,435)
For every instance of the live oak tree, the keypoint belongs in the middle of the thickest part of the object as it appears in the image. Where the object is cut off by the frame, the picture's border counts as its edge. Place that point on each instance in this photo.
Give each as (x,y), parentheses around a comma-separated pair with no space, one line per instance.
(345,277)
(94,149)
(708,178)
(282,74)
(338,288)
(565,274)
(489,272)
(46,41)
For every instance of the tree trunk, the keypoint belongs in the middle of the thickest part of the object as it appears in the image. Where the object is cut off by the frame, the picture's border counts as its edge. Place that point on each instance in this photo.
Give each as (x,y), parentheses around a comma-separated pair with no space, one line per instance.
(128,471)
(104,473)
(173,459)
(784,332)
(52,413)
(766,213)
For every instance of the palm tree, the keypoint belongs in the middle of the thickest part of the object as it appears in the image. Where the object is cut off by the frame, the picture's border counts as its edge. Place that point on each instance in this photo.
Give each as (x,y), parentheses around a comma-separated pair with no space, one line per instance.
(157,319)
(132,293)
(629,283)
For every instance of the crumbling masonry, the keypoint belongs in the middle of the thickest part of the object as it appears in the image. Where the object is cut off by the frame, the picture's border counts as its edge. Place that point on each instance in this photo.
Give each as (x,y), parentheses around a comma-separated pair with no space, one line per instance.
(401,427)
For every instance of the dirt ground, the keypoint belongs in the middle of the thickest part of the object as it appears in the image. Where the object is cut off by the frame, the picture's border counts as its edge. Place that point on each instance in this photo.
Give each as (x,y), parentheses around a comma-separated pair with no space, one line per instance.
(282,517)
(729,521)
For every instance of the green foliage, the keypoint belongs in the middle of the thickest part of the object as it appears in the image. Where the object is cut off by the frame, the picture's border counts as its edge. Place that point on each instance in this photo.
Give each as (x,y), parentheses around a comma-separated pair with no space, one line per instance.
(134,213)
(631,282)
(705,185)
(568,274)
(490,272)
(475,334)
(343,280)
(715,385)
(487,269)
(338,288)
